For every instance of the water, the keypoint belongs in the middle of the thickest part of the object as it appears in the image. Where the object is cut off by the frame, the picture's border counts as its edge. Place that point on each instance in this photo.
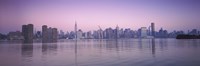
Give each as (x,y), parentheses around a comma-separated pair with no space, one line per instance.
(122,52)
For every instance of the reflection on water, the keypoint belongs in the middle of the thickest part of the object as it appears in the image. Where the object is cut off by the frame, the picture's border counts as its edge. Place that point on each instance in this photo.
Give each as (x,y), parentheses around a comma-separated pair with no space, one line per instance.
(27,50)
(75,51)
(112,52)
(49,48)
(153,47)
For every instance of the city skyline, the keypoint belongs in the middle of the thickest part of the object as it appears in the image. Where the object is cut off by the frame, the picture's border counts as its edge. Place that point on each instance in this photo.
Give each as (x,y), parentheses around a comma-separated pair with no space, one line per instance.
(170,15)
(51,34)
(149,27)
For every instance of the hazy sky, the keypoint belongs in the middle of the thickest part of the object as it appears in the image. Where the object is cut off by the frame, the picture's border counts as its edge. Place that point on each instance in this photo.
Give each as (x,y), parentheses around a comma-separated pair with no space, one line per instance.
(169,14)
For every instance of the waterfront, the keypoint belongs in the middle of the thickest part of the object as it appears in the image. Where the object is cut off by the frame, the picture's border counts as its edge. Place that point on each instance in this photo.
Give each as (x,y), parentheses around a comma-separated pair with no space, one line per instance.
(106,52)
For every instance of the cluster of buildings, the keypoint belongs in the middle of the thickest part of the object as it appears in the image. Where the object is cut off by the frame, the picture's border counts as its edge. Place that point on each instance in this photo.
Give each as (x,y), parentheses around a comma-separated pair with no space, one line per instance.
(49,34)
(14,36)
(28,36)
(120,33)
(109,33)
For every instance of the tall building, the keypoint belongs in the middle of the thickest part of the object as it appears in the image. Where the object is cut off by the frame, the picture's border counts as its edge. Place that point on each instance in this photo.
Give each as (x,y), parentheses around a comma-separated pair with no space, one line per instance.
(49,34)
(27,32)
(54,34)
(75,28)
(44,33)
(153,29)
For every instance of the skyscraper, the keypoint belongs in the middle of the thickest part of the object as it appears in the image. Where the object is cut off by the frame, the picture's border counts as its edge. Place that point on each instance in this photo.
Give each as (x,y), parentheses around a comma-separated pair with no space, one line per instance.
(153,29)
(49,34)
(54,34)
(27,32)
(75,28)
(44,33)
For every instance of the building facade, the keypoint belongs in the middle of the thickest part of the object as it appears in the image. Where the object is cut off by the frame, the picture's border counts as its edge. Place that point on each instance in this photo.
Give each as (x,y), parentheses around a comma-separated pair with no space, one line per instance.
(49,34)
(27,32)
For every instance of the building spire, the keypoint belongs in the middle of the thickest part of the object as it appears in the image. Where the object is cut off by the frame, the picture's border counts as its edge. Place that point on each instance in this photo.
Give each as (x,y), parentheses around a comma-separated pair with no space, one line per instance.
(75,28)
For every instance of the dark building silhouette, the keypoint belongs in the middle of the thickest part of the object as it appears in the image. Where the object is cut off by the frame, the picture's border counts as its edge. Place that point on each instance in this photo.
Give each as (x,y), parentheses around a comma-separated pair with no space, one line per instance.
(44,33)
(27,32)
(49,34)
(153,29)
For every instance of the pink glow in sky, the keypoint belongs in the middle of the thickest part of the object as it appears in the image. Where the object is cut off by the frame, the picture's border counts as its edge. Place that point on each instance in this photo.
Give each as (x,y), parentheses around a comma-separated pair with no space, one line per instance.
(171,15)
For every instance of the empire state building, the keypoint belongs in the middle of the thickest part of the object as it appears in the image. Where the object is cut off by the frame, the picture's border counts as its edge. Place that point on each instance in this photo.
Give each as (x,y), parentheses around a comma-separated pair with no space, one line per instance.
(75,28)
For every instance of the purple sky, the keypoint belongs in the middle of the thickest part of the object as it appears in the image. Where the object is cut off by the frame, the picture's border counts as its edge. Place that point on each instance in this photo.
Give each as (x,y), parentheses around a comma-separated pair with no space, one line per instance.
(169,14)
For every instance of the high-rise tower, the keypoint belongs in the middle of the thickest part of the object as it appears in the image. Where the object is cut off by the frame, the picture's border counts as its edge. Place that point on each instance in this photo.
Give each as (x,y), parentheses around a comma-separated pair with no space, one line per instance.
(153,29)
(27,32)
(49,34)
(44,33)
(75,28)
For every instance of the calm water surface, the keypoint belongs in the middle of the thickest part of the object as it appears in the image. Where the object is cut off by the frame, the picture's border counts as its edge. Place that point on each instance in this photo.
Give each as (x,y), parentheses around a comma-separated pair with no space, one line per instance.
(122,52)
